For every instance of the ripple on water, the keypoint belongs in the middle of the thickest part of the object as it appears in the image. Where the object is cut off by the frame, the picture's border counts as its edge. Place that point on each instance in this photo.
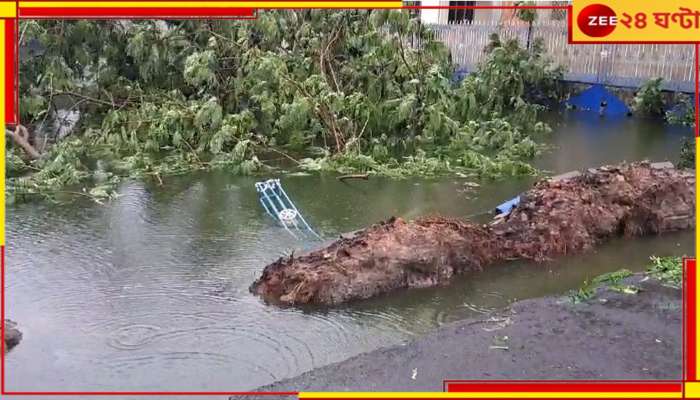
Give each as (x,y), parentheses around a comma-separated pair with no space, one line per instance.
(252,346)
(235,331)
(393,322)
(191,360)
(133,337)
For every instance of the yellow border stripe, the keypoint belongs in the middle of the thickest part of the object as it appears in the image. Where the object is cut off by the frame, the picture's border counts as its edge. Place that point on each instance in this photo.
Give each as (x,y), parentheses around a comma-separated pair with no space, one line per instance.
(205,4)
(8,9)
(491,395)
(692,389)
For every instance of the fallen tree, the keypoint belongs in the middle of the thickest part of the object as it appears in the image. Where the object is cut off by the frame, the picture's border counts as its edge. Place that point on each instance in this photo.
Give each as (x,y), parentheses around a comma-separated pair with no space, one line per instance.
(554,218)
(330,90)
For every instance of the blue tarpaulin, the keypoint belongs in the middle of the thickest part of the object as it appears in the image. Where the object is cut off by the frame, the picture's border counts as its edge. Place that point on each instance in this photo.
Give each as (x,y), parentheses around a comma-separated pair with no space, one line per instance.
(600,100)
(508,206)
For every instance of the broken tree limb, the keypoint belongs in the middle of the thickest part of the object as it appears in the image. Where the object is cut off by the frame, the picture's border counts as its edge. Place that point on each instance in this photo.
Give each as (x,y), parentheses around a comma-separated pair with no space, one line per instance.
(554,218)
(21,137)
(343,178)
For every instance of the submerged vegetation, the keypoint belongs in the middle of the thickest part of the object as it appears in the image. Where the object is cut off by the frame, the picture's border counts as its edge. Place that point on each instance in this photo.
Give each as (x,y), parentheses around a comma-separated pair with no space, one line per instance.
(610,280)
(668,270)
(333,91)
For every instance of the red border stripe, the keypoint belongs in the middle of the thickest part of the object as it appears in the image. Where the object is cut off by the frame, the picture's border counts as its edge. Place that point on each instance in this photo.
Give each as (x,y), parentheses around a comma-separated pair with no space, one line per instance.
(563,387)
(135,12)
(690,320)
(10,73)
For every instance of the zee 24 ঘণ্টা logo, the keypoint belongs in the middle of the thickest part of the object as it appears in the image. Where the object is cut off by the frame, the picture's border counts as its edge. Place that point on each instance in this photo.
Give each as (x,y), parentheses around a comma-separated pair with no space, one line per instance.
(597,20)
(600,20)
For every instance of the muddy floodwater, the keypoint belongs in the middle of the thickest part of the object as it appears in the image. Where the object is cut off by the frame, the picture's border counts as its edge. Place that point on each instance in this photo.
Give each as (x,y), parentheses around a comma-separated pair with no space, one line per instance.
(152,289)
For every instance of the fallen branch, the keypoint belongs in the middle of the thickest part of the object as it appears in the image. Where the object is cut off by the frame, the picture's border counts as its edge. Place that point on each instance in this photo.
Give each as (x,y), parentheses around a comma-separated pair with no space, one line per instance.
(343,178)
(90,99)
(283,154)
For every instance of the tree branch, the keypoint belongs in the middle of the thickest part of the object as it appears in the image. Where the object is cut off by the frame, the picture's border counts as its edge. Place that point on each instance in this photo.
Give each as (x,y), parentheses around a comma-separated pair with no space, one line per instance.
(343,178)
(90,99)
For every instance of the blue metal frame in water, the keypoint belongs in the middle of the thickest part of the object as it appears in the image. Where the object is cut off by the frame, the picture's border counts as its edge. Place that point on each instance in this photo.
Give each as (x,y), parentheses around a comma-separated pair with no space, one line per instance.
(280,207)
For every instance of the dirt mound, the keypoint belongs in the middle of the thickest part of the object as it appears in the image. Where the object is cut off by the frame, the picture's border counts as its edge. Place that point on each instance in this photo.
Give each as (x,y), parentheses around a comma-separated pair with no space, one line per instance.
(553,218)
(561,217)
(383,257)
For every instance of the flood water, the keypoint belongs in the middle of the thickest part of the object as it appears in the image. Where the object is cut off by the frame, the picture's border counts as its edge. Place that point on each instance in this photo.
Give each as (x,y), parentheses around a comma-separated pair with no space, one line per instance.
(152,289)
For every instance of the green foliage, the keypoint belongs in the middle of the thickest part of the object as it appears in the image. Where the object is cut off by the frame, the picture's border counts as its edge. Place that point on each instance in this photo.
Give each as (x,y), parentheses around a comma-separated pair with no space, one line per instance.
(612,278)
(164,97)
(199,69)
(14,164)
(63,170)
(687,158)
(668,270)
(584,293)
(684,114)
(649,101)
(613,281)
(419,164)
(528,15)
(519,76)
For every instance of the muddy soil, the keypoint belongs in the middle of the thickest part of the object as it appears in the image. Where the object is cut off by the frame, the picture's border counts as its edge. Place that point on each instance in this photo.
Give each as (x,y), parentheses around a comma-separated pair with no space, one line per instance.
(554,218)
(12,335)
(611,336)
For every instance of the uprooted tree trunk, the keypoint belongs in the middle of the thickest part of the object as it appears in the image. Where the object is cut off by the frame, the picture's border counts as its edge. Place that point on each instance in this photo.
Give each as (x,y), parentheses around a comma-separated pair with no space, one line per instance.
(554,218)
